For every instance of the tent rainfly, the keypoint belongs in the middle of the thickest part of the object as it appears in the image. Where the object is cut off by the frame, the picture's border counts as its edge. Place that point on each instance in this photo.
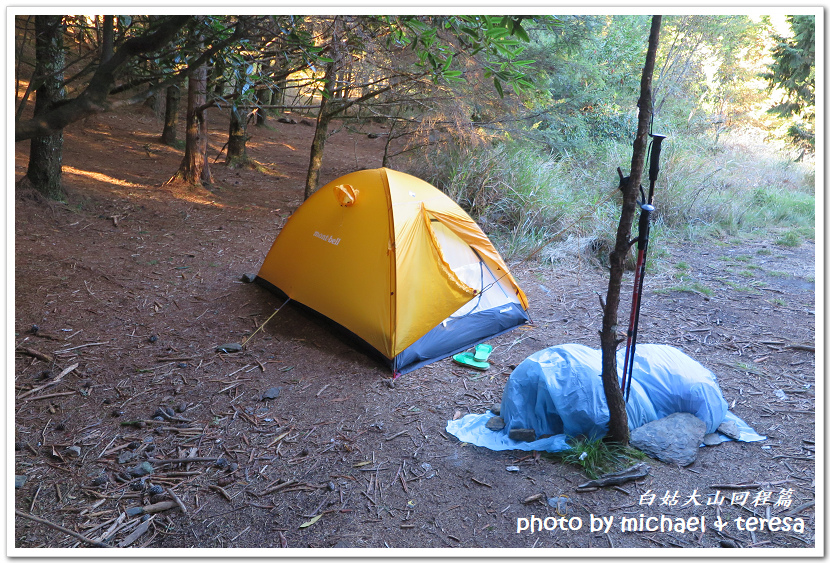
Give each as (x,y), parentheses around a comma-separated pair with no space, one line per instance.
(398,264)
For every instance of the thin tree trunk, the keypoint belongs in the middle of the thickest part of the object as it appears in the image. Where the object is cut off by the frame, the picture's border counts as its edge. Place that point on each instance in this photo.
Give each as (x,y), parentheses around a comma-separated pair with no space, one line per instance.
(320,132)
(171,115)
(237,140)
(263,98)
(192,169)
(618,424)
(46,152)
(205,175)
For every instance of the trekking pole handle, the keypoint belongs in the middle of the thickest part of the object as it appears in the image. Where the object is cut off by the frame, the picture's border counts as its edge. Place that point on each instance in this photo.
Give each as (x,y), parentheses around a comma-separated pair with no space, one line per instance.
(654,163)
(645,218)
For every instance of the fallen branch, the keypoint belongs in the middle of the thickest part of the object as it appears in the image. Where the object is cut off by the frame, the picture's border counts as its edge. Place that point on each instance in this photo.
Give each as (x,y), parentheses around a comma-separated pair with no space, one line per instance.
(800,508)
(67,531)
(49,384)
(36,354)
(802,347)
(181,460)
(137,533)
(747,485)
(278,487)
(51,396)
(618,478)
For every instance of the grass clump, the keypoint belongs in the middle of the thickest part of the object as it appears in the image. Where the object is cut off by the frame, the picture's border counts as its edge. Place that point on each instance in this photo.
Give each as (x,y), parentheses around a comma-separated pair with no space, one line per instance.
(597,458)
(789,238)
(691,287)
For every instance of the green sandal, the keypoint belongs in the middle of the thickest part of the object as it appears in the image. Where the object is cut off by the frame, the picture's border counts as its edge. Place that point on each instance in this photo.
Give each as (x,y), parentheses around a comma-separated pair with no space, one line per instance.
(483,352)
(467,359)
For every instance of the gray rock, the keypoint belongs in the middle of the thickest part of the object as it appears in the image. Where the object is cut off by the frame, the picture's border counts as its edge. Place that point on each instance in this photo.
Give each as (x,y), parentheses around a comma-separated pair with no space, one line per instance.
(711,439)
(560,504)
(140,470)
(496,409)
(495,424)
(271,393)
(730,430)
(522,434)
(72,451)
(229,348)
(126,457)
(249,278)
(673,439)
(20,480)
(134,511)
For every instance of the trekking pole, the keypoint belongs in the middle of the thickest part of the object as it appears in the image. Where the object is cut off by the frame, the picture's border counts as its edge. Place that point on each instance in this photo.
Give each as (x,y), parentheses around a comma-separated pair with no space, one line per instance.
(644,228)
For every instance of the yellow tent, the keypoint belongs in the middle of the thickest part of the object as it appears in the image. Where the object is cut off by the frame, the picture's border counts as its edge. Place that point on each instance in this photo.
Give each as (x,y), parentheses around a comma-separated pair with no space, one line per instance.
(399,264)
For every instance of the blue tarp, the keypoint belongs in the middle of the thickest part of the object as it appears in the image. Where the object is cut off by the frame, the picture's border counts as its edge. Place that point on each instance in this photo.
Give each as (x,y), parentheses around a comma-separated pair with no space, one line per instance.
(558,393)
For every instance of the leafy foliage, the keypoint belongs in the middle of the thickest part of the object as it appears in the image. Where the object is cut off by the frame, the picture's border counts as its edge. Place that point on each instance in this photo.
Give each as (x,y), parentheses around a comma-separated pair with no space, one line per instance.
(794,71)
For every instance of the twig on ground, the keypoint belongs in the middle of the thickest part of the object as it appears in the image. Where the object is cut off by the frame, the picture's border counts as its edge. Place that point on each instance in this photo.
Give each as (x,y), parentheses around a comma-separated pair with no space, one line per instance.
(67,531)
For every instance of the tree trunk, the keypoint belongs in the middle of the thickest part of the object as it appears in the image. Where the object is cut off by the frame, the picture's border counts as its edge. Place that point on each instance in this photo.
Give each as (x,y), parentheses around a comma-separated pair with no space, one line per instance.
(618,424)
(194,167)
(46,152)
(238,129)
(262,98)
(205,175)
(327,110)
(320,132)
(171,115)
(107,38)
(237,140)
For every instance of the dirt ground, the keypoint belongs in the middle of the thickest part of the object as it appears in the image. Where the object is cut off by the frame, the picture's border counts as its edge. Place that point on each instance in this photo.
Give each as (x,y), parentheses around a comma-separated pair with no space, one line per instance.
(132,286)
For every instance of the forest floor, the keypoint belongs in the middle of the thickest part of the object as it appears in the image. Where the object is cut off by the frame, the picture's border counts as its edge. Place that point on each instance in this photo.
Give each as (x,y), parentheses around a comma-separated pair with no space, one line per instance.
(133,284)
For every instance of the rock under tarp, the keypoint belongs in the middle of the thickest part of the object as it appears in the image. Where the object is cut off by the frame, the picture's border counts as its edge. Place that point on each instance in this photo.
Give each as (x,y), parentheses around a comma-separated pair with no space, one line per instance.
(558,393)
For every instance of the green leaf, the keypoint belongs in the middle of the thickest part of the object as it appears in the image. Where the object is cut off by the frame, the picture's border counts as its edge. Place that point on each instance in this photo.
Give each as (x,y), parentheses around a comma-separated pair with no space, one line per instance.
(310,522)
(497,84)
(495,32)
(448,62)
(519,32)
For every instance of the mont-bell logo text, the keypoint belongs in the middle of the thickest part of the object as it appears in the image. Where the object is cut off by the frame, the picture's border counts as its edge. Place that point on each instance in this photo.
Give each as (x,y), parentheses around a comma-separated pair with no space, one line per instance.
(328,238)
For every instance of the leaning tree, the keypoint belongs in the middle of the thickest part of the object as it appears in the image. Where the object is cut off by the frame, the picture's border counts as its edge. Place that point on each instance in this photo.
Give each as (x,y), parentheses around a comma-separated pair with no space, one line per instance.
(609,336)
(53,111)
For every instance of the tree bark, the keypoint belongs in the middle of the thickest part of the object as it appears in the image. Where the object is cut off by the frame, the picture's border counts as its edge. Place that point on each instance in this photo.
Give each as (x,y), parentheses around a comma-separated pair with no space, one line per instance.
(46,151)
(194,167)
(171,115)
(107,38)
(238,128)
(618,423)
(237,140)
(262,98)
(320,132)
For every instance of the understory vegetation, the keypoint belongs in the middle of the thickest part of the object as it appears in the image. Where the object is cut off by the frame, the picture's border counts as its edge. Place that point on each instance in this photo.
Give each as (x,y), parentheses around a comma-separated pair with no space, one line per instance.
(728,168)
